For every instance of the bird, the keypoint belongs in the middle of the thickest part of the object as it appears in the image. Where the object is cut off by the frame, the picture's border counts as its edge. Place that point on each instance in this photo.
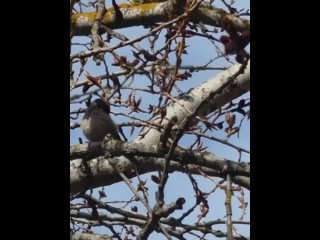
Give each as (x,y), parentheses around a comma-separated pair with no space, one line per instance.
(97,122)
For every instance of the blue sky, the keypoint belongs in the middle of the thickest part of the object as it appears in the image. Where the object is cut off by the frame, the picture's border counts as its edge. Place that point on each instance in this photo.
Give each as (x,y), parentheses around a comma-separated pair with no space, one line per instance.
(200,51)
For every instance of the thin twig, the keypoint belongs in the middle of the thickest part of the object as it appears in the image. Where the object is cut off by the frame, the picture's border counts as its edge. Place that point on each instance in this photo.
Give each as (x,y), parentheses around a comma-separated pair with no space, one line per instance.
(228,208)
(128,182)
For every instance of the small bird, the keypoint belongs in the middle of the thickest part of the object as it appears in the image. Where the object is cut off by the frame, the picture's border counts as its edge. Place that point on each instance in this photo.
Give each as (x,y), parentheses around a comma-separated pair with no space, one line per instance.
(97,123)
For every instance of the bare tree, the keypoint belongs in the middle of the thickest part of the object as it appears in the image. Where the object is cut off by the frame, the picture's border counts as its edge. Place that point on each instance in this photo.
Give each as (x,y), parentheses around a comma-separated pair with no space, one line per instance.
(164,179)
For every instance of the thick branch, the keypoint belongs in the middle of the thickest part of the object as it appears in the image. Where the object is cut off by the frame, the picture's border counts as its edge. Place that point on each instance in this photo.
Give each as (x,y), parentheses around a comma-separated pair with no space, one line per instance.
(102,173)
(90,236)
(204,159)
(151,13)
(200,93)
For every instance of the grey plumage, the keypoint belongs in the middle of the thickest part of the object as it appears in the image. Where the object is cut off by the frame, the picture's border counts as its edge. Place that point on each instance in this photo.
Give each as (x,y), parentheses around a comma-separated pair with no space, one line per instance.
(97,123)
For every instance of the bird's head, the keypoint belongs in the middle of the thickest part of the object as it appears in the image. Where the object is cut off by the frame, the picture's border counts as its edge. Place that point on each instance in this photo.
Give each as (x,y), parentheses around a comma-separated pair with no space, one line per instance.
(102,104)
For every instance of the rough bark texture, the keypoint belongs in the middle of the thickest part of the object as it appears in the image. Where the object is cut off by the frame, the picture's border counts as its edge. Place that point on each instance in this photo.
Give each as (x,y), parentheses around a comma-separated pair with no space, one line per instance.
(151,13)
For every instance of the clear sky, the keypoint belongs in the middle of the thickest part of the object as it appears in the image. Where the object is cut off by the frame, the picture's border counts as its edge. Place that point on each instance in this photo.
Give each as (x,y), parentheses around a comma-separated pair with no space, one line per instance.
(200,51)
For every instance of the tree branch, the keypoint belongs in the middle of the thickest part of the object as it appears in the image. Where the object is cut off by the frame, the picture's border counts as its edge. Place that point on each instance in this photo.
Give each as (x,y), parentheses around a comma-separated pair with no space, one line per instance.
(203,159)
(151,13)
(197,95)
(90,236)
(102,173)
